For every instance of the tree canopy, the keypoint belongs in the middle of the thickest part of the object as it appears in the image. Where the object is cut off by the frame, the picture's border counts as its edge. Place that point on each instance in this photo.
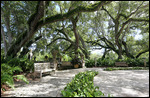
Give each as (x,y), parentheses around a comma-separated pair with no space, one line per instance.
(75,26)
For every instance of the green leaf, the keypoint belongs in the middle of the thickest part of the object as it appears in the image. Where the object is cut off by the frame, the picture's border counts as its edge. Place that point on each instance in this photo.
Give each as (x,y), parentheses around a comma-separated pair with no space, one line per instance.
(22,77)
(63,93)
(75,94)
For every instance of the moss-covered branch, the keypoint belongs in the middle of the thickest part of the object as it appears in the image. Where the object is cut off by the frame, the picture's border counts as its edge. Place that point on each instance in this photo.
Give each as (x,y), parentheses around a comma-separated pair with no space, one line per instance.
(57,39)
(108,13)
(141,52)
(79,9)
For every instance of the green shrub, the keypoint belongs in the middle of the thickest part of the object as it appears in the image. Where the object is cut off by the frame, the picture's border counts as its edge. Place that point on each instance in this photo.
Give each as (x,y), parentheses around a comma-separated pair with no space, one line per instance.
(105,62)
(126,68)
(24,63)
(82,86)
(11,66)
(7,75)
(100,62)
(89,63)
(134,62)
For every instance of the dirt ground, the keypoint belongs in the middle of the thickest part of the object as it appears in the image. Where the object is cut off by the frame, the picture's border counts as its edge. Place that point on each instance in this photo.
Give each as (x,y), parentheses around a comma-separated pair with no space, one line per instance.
(121,83)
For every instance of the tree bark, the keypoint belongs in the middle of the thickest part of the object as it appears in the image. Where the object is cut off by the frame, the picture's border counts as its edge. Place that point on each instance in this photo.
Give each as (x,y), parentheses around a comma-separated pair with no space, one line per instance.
(119,49)
(84,50)
(74,22)
(3,36)
(106,51)
(126,50)
(6,16)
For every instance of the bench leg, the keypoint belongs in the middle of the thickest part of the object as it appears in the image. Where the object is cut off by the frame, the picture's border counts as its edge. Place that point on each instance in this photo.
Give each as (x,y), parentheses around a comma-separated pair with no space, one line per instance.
(34,75)
(54,71)
(40,75)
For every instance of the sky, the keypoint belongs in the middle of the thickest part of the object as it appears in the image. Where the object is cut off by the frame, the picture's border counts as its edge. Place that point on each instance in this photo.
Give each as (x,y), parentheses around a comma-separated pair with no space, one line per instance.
(97,51)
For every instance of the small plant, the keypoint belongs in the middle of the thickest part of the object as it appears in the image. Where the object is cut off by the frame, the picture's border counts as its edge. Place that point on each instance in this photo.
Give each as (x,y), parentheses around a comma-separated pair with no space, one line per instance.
(82,86)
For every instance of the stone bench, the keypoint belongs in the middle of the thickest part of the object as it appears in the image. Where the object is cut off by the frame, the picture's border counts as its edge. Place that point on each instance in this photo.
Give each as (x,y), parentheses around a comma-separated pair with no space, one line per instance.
(42,68)
(122,64)
(66,63)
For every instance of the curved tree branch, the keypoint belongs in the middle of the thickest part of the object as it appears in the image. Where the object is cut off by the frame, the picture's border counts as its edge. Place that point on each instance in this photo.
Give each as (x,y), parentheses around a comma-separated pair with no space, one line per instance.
(141,52)
(79,9)
(108,13)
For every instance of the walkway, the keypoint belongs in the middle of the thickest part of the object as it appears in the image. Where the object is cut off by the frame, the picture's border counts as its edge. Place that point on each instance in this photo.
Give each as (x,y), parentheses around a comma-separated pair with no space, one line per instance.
(127,83)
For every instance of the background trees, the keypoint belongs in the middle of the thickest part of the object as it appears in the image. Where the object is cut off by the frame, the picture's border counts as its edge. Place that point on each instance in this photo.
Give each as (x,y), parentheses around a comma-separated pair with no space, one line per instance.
(117,32)
(75,27)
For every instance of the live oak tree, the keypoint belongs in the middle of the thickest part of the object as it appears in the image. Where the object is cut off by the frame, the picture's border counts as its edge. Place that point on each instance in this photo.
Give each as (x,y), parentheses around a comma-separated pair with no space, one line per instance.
(121,21)
(38,19)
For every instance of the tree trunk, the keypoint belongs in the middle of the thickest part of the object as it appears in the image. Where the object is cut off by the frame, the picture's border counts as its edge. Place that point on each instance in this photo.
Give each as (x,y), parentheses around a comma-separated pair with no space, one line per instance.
(26,36)
(117,39)
(106,51)
(74,22)
(6,16)
(8,30)
(126,50)
(120,54)
(119,48)
(54,53)
(84,50)
(3,36)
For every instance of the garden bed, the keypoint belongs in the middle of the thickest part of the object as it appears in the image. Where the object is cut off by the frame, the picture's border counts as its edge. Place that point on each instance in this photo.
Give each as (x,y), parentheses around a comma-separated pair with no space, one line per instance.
(125,68)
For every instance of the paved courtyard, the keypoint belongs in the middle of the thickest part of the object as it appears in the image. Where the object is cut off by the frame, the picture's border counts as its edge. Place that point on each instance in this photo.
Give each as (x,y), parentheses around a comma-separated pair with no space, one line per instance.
(121,83)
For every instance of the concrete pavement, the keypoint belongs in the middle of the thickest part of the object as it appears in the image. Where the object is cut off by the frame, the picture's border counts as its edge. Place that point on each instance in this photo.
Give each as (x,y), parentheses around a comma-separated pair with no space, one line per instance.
(121,83)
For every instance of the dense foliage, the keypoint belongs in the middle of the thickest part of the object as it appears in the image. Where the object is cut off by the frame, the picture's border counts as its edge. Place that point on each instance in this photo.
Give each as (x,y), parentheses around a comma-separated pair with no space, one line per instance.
(107,62)
(82,86)
(133,62)
(24,63)
(90,63)
(7,74)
